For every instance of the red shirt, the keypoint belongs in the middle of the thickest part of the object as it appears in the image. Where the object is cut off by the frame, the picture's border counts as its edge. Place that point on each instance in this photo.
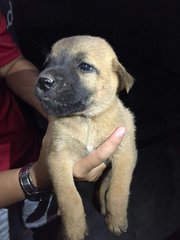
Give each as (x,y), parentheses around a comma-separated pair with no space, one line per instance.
(19,136)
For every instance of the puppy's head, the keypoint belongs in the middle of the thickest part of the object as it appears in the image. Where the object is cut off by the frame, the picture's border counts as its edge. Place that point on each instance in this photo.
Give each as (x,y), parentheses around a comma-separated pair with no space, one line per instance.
(82,77)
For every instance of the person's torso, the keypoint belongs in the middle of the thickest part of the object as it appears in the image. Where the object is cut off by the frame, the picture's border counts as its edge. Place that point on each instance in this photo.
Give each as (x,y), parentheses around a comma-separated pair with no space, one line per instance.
(19,136)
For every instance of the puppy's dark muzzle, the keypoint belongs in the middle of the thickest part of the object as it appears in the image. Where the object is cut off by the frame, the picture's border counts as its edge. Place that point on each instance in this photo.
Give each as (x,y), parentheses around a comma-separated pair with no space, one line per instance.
(61,93)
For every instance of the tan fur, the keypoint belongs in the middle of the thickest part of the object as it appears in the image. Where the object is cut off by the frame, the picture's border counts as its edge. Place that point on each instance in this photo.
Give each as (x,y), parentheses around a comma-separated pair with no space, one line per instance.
(71,137)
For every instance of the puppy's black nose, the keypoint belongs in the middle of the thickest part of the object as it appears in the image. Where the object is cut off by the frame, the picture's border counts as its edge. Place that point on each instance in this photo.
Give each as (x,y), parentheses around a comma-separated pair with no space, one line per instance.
(45,83)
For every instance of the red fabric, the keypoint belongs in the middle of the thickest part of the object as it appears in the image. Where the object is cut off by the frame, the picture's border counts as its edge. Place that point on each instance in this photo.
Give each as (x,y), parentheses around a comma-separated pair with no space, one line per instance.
(8,48)
(19,138)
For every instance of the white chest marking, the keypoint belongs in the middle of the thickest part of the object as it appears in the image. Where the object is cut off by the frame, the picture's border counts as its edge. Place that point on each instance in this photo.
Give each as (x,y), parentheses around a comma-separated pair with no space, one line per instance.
(90,148)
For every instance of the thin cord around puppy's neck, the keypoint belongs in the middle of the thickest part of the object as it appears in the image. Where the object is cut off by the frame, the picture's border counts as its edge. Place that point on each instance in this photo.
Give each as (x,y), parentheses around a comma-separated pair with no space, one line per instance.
(89,145)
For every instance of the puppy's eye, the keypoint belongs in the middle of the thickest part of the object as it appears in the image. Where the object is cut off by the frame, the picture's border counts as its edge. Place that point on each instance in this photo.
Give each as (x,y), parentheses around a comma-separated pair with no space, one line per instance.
(85,67)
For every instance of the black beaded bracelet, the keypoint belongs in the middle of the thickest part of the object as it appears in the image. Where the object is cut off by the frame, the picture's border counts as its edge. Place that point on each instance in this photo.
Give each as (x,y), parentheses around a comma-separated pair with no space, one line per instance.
(31,192)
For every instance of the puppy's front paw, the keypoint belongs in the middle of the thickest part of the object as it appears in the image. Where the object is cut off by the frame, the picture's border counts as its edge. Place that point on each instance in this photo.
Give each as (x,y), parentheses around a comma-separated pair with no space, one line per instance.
(79,234)
(76,227)
(116,224)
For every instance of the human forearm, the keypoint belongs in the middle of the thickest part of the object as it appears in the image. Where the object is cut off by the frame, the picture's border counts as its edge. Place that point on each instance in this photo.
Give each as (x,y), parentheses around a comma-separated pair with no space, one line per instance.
(22,83)
(21,76)
(10,190)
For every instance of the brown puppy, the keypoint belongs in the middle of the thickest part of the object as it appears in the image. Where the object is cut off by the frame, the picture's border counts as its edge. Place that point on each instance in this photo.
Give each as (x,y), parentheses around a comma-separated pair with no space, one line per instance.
(79,89)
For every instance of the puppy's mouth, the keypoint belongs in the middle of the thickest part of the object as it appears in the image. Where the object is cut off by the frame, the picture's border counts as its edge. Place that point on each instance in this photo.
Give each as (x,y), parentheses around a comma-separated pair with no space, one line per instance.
(62,109)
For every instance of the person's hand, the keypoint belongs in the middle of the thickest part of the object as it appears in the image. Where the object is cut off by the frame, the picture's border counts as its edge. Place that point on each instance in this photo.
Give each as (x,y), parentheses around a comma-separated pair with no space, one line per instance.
(90,167)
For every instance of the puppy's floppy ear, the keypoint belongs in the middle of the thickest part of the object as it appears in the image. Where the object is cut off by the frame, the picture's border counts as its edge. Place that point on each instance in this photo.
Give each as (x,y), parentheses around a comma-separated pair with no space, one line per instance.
(126,81)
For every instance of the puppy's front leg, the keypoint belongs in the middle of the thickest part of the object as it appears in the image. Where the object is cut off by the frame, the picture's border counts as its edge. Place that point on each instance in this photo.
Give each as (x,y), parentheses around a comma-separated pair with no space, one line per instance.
(69,200)
(123,164)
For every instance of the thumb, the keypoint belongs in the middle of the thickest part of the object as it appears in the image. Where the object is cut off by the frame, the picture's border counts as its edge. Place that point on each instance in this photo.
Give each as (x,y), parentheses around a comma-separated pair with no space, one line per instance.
(105,150)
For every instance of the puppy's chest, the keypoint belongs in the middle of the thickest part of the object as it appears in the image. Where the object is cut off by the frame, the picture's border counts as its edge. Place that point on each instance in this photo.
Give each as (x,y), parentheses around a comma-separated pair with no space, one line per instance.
(84,132)
(89,136)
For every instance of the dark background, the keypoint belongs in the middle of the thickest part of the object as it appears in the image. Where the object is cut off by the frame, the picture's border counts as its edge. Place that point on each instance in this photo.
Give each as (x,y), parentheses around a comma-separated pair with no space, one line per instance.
(146,37)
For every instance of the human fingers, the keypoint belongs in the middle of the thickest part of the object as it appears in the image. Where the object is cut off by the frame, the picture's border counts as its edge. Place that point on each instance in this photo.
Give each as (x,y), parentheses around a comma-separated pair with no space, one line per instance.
(105,150)
(102,153)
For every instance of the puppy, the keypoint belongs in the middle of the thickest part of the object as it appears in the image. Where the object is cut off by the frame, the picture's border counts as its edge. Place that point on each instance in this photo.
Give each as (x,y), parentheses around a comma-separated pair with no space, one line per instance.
(79,90)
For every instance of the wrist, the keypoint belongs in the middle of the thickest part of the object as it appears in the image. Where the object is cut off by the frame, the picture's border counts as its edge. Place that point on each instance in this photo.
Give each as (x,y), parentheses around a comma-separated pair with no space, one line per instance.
(39,176)
(29,184)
